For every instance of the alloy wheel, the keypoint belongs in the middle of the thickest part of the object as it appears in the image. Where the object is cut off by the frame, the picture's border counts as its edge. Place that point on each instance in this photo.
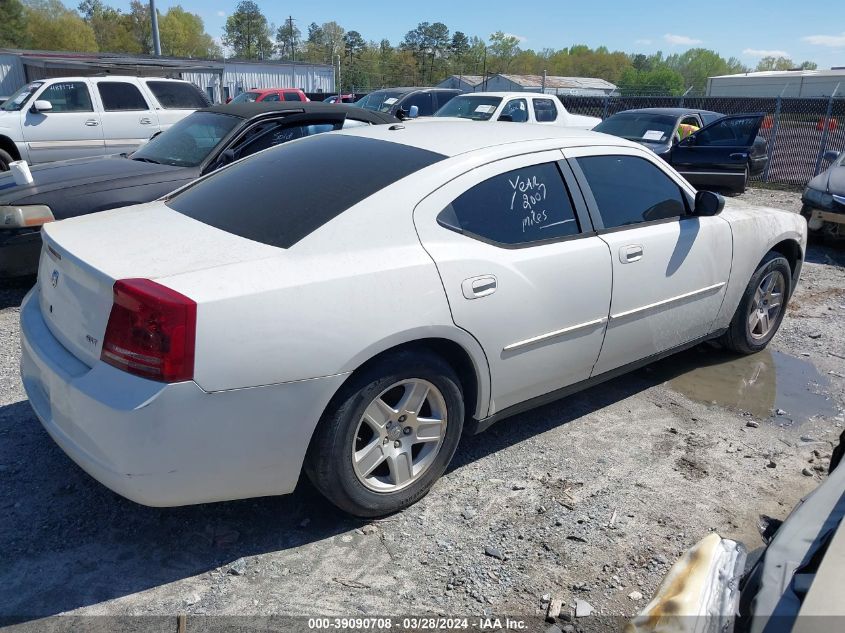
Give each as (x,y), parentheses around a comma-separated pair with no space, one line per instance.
(766,305)
(399,435)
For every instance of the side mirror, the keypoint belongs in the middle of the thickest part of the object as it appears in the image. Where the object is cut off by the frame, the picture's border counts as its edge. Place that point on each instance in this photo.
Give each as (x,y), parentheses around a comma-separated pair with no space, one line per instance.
(226,156)
(42,105)
(831,155)
(708,203)
(413,112)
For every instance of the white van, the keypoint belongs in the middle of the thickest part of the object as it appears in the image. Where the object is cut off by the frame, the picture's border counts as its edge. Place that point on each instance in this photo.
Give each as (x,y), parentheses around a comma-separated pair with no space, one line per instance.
(75,117)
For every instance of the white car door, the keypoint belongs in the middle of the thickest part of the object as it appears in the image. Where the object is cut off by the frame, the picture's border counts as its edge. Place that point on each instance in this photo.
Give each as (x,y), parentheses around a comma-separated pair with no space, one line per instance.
(670,268)
(522,271)
(128,120)
(71,129)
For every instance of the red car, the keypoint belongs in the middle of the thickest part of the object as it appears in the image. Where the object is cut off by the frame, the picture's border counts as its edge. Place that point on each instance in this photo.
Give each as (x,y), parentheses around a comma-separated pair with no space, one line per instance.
(270,94)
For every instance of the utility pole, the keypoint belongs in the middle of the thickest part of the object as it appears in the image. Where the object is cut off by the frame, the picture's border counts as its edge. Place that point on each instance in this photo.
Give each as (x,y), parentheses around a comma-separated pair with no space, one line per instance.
(292,38)
(154,20)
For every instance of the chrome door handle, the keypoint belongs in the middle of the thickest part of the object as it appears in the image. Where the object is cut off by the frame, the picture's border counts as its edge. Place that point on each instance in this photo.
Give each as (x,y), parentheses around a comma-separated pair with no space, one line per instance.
(631,253)
(92,122)
(145,121)
(481,286)
(739,156)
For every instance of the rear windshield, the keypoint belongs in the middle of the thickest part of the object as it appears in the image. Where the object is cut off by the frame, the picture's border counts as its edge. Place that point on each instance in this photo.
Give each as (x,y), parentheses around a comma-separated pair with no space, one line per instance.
(283,194)
(639,126)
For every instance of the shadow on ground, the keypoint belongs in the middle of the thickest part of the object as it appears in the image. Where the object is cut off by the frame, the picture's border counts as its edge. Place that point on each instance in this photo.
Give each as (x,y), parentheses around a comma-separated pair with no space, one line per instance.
(68,542)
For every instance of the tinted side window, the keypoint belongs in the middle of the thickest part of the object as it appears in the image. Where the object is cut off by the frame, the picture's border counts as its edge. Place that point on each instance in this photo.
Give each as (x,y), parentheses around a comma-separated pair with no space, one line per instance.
(68,96)
(292,96)
(525,205)
(729,132)
(629,190)
(273,96)
(422,100)
(443,98)
(173,95)
(544,110)
(119,95)
(272,133)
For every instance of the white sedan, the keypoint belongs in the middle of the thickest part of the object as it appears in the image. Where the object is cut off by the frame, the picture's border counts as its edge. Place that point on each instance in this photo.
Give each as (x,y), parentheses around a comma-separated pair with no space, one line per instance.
(514,107)
(298,310)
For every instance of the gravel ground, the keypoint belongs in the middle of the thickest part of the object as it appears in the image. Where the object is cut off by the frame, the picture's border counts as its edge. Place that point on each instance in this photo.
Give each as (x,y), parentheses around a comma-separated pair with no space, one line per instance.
(590,498)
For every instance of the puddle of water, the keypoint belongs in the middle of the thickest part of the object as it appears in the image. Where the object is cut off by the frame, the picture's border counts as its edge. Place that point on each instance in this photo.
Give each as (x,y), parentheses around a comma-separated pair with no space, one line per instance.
(759,384)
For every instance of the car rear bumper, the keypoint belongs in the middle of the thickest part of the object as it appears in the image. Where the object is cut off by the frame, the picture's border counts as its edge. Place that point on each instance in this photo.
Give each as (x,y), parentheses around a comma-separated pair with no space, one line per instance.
(19,253)
(168,444)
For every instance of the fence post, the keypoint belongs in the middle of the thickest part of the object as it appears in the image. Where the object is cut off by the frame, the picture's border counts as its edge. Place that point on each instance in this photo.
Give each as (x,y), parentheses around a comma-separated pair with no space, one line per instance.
(823,144)
(773,139)
(606,103)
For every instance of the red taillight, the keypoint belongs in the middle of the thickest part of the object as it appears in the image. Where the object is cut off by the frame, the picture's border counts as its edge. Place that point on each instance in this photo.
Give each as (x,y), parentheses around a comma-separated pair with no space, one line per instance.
(151,331)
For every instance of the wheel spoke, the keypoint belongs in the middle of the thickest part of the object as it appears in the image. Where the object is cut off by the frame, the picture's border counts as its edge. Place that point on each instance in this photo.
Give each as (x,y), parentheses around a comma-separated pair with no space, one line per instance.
(764,322)
(379,413)
(753,320)
(758,296)
(400,467)
(369,457)
(414,397)
(428,430)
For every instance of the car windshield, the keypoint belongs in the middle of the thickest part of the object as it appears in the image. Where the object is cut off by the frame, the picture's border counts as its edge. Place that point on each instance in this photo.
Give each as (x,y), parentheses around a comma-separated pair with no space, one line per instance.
(246,97)
(18,100)
(475,107)
(639,126)
(188,142)
(380,100)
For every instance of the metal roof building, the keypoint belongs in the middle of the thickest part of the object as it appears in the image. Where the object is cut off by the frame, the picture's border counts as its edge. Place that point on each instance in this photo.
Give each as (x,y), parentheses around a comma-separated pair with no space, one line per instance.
(219,79)
(467,83)
(550,84)
(774,83)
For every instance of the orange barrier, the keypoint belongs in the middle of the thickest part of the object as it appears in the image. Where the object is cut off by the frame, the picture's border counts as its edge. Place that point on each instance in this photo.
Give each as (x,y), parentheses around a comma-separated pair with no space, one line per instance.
(832,124)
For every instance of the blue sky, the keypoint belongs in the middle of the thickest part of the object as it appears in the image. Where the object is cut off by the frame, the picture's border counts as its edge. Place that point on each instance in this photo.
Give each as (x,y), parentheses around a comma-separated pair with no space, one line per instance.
(747,29)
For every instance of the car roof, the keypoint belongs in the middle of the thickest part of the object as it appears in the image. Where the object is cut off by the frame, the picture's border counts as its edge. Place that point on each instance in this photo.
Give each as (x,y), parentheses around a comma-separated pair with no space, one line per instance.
(259,108)
(672,111)
(506,95)
(109,76)
(451,138)
(406,89)
(265,91)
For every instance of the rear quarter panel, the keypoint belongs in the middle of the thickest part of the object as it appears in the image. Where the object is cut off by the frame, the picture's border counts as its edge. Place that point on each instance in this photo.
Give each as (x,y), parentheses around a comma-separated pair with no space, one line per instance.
(359,285)
(755,231)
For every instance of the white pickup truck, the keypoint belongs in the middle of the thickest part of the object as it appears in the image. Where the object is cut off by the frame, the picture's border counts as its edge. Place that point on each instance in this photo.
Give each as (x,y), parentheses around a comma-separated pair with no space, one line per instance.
(517,107)
(76,117)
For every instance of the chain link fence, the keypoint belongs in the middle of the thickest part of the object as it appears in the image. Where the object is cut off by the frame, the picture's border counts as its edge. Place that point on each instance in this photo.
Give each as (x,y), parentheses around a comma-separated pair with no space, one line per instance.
(798,131)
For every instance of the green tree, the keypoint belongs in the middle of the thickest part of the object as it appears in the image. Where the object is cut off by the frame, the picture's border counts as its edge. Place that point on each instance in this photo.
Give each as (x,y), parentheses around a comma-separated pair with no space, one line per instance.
(13,32)
(112,29)
(183,34)
(52,26)
(808,65)
(287,40)
(697,64)
(502,49)
(353,44)
(775,63)
(658,81)
(247,32)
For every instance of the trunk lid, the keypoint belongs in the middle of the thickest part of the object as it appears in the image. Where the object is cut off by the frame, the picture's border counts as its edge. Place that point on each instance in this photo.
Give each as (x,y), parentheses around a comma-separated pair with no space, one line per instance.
(82,258)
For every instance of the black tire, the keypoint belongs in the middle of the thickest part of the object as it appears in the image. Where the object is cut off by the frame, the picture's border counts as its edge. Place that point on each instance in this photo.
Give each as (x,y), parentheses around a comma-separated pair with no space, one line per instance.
(746,179)
(739,337)
(5,159)
(329,463)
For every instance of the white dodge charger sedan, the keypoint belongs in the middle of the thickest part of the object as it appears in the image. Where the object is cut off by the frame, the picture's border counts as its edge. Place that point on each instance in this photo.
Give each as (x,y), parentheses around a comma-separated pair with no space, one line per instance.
(299,310)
